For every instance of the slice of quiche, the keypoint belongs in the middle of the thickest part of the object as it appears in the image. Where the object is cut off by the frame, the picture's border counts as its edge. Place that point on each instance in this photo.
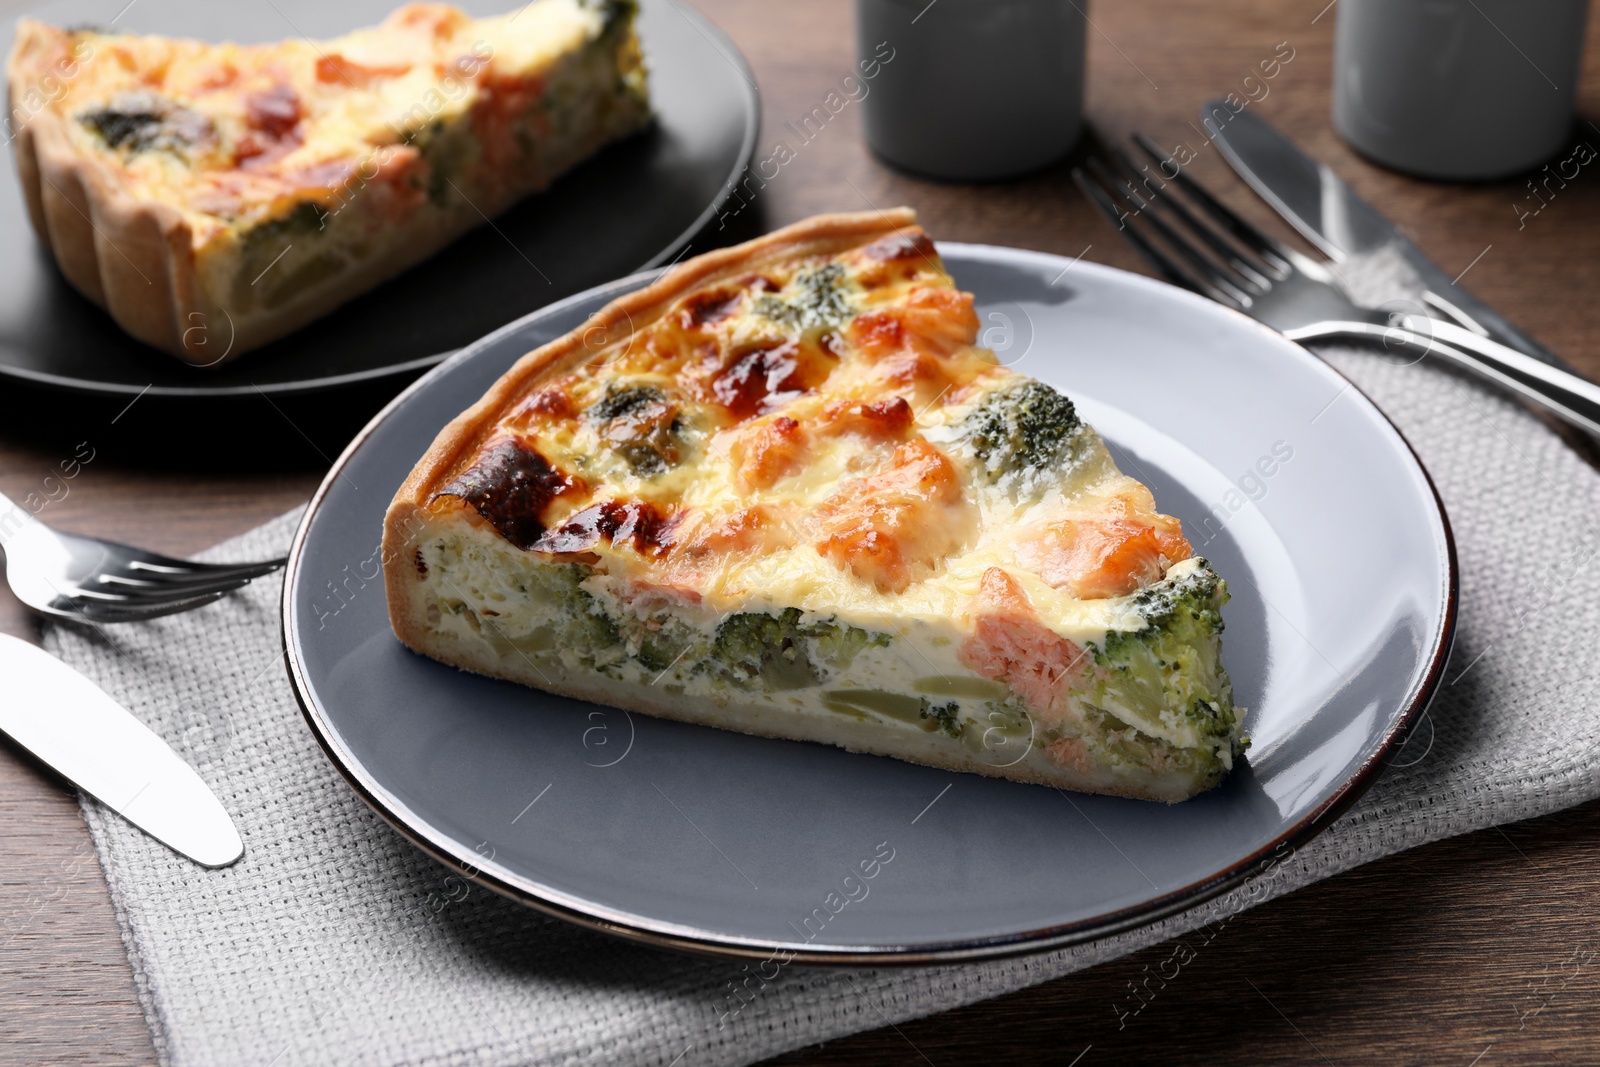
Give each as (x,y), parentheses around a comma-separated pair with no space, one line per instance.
(782,491)
(216,197)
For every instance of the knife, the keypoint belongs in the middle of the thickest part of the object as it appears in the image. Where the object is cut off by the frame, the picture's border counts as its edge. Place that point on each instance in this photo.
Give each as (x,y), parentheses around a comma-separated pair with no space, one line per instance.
(70,724)
(1331,216)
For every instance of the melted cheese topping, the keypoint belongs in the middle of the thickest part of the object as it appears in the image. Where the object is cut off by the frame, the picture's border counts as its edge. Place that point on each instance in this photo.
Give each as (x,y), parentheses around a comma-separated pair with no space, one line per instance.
(802,436)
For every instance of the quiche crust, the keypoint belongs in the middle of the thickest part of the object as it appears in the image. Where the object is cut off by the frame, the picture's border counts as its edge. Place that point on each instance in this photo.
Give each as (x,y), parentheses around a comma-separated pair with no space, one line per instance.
(177,277)
(924,637)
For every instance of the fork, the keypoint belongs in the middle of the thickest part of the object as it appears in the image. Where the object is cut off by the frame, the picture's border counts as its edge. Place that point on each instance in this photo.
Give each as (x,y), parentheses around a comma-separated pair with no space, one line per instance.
(89,580)
(1232,262)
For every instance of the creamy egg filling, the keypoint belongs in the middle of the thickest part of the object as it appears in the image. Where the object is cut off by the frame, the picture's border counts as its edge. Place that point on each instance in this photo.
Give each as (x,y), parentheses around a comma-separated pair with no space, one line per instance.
(894,667)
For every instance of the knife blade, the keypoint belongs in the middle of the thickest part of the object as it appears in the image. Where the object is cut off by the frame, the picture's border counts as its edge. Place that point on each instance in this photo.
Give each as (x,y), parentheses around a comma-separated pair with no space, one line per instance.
(1313,199)
(70,724)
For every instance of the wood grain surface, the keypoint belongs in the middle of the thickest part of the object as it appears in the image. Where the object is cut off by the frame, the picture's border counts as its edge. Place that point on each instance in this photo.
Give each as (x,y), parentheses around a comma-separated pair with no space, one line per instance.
(1483,950)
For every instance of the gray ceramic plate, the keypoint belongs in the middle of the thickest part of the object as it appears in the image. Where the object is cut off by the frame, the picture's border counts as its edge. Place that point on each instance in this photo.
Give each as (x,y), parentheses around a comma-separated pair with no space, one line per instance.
(1303,495)
(636,204)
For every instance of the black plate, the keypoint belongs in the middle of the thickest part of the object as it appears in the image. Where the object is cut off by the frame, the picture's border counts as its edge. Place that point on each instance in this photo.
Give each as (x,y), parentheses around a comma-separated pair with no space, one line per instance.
(635,205)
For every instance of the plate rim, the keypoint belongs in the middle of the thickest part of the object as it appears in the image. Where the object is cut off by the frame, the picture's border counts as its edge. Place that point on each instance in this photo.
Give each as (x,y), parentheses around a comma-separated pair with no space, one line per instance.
(661,934)
(751,95)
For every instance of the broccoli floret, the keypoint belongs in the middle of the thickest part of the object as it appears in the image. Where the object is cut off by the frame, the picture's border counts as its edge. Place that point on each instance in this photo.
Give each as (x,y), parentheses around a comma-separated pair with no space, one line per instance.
(655,656)
(753,644)
(837,645)
(756,650)
(587,626)
(945,716)
(142,121)
(819,302)
(447,148)
(570,621)
(1020,431)
(301,220)
(1171,663)
(672,642)
(135,127)
(612,12)
(642,424)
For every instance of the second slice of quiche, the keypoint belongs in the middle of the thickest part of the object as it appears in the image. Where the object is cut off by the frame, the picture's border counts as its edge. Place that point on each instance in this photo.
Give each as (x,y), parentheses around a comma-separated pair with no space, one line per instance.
(781,491)
(215,197)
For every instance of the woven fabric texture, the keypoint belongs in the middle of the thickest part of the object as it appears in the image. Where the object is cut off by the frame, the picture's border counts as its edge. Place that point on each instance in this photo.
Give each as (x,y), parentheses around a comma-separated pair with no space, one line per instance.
(335,940)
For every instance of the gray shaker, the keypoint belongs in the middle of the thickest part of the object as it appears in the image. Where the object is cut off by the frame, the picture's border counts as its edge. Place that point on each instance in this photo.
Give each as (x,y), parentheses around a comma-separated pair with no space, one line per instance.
(1459,89)
(977,89)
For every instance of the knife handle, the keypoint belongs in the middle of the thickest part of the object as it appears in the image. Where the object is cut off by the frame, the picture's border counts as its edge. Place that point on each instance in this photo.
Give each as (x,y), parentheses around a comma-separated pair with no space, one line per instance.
(1571,398)
(1568,397)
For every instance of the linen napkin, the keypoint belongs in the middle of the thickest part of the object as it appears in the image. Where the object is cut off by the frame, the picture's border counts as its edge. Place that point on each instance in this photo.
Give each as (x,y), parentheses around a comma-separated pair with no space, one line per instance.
(335,940)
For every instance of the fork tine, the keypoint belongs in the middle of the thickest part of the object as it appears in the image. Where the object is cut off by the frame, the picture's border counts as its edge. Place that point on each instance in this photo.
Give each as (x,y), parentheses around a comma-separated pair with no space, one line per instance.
(1217,277)
(130,596)
(132,579)
(1275,252)
(95,613)
(1157,259)
(1132,173)
(157,567)
(167,590)
(179,577)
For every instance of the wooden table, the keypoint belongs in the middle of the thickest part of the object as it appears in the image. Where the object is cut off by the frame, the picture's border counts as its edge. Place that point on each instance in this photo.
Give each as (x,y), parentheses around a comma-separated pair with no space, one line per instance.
(1479,950)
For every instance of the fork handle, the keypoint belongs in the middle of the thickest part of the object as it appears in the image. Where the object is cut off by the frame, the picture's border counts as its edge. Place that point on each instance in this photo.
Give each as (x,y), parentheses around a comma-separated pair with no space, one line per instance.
(1565,395)
(13,517)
